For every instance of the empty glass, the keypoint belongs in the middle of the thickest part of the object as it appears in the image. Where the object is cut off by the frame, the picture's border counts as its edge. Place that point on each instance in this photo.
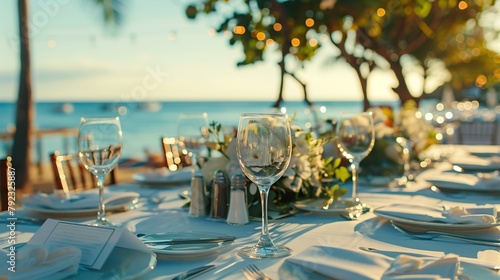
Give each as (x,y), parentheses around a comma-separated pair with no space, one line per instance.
(264,150)
(355,139)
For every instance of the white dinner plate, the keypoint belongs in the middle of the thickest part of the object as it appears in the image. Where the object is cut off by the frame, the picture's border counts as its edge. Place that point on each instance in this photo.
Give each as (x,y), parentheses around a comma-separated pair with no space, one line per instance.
(429,225)
(188,251)
(314,206)
(114,206)
(164,177)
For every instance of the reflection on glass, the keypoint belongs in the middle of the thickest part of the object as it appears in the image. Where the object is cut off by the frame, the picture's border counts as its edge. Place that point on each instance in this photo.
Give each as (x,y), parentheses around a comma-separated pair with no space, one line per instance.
(264,151)
(355,140)
(99,148)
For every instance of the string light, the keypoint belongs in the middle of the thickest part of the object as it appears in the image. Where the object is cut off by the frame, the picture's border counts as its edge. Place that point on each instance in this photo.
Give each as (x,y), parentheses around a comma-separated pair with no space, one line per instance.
(309,22)
(277,27)
(240,30)
(380,12)
(261,36)
(462,5)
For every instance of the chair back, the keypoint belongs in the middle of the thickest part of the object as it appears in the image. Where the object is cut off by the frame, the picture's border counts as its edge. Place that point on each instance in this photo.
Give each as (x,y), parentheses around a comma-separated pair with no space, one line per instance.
(477,132)
(6,186)
(174,156)
(70,174)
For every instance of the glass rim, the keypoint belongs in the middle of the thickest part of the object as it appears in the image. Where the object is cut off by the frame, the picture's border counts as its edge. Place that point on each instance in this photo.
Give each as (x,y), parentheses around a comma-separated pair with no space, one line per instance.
(263,114)
(84,119)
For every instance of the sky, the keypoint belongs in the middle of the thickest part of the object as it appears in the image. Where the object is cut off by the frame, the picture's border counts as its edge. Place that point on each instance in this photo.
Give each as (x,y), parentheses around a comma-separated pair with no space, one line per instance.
(157,54)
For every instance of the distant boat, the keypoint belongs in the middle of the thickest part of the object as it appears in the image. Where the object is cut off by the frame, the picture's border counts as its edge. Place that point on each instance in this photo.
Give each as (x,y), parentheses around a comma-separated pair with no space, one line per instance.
(149,106)
(66,108)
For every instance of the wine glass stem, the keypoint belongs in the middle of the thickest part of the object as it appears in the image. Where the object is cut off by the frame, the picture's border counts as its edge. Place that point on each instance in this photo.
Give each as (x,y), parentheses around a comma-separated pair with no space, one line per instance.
(265,238)
(354,168)
(101,214)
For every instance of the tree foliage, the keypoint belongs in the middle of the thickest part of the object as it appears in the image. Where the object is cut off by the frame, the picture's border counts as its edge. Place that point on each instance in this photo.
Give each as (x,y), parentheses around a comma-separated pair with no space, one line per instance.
(431,37)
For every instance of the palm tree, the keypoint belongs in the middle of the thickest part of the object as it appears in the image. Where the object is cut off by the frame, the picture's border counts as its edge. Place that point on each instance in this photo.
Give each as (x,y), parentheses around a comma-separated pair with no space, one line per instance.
(21,148)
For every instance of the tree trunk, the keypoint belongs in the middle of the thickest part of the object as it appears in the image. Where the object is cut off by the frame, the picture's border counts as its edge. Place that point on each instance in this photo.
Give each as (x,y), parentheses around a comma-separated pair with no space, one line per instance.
(304,88)
(402,89)
(364,88)
(352,61)
(282,82)
(21,159)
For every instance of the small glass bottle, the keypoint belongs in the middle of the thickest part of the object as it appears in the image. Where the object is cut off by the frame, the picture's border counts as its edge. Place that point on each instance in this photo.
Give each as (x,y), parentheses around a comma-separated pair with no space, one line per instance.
(198,199)
(238,212)
(220,196)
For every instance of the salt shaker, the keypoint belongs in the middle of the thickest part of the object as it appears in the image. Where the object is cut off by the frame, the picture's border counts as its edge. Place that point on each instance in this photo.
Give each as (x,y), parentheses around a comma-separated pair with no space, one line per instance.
(238,212)
(220,195)
(198,207)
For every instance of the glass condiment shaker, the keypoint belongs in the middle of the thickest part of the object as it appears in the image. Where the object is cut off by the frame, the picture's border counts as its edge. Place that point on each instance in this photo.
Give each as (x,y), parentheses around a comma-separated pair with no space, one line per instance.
(220,196)
(198,207)
(238,212)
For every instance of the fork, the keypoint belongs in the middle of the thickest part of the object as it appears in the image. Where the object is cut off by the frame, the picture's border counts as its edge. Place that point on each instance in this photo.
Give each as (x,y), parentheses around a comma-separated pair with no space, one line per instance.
(252,272)
(429,235)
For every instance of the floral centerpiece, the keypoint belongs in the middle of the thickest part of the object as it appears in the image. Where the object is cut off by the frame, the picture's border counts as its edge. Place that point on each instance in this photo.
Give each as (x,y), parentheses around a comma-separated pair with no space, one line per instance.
(310,174)
(385,159)
(388,157)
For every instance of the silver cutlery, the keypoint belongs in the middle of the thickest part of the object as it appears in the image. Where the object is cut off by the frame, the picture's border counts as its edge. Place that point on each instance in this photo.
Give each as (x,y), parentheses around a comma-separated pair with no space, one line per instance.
(193,272)
(175,241)
(394,254)
(252,272)
(196,245)
(430,235)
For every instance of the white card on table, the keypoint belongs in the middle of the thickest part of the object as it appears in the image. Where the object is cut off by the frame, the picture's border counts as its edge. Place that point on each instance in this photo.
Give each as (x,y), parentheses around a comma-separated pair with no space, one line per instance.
(96,243)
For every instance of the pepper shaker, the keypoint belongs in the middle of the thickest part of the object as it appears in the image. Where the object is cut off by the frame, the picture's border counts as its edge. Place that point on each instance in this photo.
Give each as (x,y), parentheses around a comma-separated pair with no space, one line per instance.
(220,195)
(238,212)
(198,207)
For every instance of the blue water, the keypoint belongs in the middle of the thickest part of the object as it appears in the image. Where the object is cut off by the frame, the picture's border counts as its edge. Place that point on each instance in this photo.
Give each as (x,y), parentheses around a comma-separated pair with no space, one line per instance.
(142,129)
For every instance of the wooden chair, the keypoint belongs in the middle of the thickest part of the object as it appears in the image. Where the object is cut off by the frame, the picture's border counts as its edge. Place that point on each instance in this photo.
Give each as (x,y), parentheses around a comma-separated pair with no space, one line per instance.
(477,132)
(71,175)
(174,157)
(5,169)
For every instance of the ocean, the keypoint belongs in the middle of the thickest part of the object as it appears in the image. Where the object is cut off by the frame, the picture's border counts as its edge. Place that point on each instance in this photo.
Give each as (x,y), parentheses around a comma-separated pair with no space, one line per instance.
(143,124)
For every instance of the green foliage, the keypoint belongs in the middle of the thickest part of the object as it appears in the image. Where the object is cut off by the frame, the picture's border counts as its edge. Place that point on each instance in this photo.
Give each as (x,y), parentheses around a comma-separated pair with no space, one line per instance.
(372,33)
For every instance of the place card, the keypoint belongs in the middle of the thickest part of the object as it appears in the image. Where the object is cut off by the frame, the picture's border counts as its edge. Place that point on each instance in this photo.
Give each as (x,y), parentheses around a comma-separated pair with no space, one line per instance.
(95,242)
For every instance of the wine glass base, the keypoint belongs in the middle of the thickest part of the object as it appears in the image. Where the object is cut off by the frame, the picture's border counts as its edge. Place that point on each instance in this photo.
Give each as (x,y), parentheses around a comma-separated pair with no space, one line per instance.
(99,223)
(258,252)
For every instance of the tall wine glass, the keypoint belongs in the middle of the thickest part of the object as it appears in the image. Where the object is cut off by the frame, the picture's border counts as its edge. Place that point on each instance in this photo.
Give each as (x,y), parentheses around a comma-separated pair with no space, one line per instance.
(355,140)
(264,149)
(99,148)
(192,132)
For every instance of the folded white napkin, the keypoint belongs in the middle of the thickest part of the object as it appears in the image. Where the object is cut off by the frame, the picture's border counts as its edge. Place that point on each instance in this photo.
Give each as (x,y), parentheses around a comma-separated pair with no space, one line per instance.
(84,200)
(320,262)
(474,162)
(463,181)
(42,262)
(450,215)
(480,215)
(409,267)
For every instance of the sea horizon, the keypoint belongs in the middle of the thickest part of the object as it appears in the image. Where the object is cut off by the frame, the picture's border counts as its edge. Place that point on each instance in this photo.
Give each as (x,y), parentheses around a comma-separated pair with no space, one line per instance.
(144,123)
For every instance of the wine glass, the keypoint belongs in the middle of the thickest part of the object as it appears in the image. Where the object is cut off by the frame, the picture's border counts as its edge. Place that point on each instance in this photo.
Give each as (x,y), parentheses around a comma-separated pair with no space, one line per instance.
(99,148)
(192,132)
(264,147)
(355,140)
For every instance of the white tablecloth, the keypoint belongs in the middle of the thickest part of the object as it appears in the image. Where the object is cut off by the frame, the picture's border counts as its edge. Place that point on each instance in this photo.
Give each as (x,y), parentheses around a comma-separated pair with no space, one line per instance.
(297,232)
